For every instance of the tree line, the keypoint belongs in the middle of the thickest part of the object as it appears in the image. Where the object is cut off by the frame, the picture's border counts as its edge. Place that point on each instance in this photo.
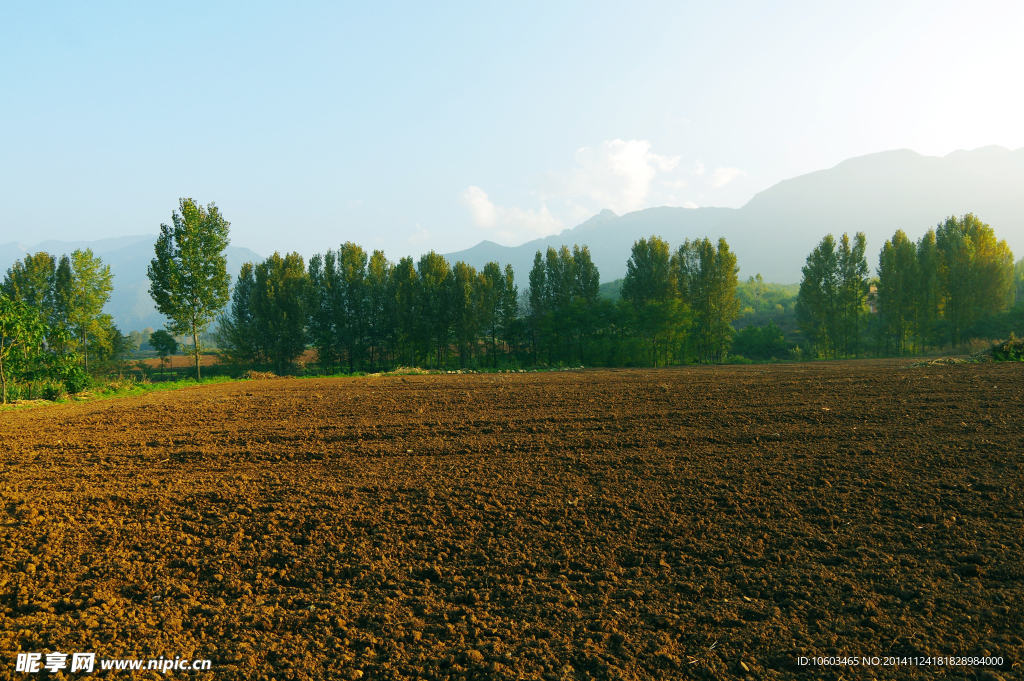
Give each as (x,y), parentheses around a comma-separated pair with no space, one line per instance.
(361,312)
(935,292)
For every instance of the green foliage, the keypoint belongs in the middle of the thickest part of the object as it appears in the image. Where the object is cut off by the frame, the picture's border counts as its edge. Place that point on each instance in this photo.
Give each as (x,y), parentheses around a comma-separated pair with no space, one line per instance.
(1018,277)
(651,300)
(281,295)
(760,342)
(897,293)
(90,287)
(31,281)
(164,344)
(77,380)
(188,277)
(273,313)
(1011,350)
(975,273)
(22,334)
(831,306)
(564,310)
(707,281)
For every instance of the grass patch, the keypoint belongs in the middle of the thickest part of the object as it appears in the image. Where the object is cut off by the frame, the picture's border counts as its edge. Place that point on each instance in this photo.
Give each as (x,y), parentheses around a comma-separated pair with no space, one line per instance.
(123,387)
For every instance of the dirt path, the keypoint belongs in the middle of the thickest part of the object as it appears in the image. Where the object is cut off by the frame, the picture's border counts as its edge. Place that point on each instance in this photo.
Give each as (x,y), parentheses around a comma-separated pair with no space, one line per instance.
(630,524)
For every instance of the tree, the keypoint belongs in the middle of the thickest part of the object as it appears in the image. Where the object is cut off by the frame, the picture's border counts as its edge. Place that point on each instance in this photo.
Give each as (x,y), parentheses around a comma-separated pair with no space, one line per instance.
(188,277)
(22,332)
(852,271)
(975,273)
(239,336)
(1018,275)
(323,283)
(350,302)
(164,345)
(927,294)
(757,289)
(650,288)
(508,310)
(707,281)
(279,300)
(464,311)
(435,294)
(91,284)
(380,308)
(63,294)
(818,301)
(31,280)
(404,287)
(489,287)
(898,277)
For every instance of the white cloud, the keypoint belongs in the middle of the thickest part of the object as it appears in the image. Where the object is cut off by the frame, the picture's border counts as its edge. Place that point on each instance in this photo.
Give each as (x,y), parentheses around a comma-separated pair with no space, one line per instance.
(617,174)
(698,169)
(483,210)
(723,176)
(690,204)
(509,223)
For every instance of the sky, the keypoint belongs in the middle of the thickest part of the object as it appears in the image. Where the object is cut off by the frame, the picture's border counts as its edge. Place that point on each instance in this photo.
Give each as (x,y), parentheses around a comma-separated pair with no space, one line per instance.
(410,127)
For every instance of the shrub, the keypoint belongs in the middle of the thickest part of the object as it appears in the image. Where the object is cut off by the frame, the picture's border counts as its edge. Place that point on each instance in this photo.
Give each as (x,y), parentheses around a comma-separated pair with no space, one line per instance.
(1011,350)
(760,342)
(76,380)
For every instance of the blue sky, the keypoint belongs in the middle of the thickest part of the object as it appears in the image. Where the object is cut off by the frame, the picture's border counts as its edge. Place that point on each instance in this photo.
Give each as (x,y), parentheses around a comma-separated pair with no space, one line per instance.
(413,126)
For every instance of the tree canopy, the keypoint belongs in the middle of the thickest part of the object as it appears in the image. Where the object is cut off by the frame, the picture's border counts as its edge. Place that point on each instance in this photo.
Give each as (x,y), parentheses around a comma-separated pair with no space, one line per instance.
(188,277)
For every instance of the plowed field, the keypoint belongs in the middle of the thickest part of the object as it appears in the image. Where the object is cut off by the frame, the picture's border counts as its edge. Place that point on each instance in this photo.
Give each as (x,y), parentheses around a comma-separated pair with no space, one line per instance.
(636,524)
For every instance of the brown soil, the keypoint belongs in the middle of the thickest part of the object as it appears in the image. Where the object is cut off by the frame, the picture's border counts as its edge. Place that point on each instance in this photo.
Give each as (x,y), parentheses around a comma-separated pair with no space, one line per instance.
(633,524)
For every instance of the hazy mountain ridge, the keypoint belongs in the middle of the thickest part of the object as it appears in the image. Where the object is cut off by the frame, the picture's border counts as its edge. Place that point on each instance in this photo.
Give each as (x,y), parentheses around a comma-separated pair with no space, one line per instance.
(774,231)
(130,303)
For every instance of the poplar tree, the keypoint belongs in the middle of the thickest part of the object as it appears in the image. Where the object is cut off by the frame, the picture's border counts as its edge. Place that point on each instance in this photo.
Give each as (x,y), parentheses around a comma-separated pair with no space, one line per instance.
(818,300)
(434,303)
(349,300)
(650,289)
(927,292)
(898,277)
(706,275)
(90,287)
(238,332)
(280,295)
(323,284)
(852,271)
(188,277)
(380,308)
(975,273)
(405,286)
(463,301)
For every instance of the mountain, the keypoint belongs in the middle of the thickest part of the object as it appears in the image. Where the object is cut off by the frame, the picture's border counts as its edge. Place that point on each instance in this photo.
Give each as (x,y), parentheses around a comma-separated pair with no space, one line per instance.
(128,257)
(774,231)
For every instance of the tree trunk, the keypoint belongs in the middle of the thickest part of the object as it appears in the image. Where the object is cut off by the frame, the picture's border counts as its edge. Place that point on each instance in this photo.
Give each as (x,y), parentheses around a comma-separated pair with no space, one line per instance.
(3,376)
(195,350)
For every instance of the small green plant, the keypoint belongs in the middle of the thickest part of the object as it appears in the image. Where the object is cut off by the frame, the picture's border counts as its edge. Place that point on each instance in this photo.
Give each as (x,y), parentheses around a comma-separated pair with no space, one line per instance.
(76,380)
(1011,350)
